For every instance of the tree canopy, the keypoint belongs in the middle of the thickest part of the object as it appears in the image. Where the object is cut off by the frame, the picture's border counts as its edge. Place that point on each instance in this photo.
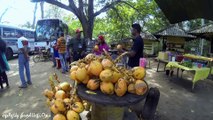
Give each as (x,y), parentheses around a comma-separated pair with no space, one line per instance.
(118,21)
(115,24)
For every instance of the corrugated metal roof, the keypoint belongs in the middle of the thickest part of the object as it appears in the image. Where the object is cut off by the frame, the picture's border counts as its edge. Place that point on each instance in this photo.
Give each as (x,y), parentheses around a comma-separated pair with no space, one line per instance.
(202,30)
(148,36)
(173,31)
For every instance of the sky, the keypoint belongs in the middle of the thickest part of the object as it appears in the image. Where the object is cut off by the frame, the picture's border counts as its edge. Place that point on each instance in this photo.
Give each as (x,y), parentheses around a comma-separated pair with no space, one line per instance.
(20,11)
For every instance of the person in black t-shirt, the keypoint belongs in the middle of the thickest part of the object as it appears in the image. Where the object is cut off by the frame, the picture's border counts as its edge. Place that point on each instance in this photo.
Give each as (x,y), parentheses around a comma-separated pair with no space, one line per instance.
(138,46)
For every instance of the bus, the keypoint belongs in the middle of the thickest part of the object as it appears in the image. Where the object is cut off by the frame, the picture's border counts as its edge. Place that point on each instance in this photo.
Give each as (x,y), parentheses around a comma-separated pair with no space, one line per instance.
(9,35)
(48,30)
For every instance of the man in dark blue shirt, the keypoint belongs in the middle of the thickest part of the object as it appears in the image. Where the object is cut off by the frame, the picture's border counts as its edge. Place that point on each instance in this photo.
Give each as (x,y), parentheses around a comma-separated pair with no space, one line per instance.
(137,49)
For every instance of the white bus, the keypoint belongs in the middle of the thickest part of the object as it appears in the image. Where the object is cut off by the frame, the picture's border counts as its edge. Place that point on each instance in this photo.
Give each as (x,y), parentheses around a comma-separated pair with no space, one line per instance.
(9,35)
(48,30)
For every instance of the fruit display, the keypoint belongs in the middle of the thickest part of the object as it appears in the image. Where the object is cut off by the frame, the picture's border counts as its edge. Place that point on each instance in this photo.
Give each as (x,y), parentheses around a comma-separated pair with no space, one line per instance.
(101,72)
(119,47)
(96,73)
(62,99)
(96,48)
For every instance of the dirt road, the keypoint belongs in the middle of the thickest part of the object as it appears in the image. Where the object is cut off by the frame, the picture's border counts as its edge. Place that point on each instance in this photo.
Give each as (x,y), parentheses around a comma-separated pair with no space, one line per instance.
(177,102)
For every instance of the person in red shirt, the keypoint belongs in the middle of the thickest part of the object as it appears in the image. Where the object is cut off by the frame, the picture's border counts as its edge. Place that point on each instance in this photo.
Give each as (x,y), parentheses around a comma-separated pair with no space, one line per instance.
(101,45)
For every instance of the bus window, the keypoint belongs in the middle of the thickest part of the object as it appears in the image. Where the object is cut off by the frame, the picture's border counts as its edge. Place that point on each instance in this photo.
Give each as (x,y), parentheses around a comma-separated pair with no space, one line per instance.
(46,29)
(27,34)
(9,33)
(31,34)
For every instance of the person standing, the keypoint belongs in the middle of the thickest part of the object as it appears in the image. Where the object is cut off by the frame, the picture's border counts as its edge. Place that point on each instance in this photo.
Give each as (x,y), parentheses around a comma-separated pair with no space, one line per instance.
(23,60)
(78,46)
(101,45)
(3,64)
(68,55)
(137,48)
(56,55)
(164,45)
(52,44)
(61,45)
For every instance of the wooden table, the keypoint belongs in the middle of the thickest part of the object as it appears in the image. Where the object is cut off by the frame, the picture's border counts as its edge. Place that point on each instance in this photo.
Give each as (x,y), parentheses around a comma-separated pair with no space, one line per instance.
(197,57)
(108,107)
(199,73)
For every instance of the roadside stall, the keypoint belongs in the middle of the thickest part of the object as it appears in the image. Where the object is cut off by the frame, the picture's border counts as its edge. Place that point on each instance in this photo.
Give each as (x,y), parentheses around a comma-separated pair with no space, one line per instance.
(174,39)
(151,44)
(205,32)
(181,10)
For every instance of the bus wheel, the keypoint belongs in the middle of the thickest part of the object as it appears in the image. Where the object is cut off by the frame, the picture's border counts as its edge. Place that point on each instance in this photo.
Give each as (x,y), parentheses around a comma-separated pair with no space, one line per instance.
(9,53)
(36,58)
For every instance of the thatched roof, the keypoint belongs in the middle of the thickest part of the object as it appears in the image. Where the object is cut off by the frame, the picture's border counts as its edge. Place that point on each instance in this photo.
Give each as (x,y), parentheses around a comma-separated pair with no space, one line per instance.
(181,10)
(173,31)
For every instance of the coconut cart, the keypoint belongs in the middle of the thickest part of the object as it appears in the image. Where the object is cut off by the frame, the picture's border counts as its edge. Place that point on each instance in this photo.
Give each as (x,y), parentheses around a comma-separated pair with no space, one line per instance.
(103,88)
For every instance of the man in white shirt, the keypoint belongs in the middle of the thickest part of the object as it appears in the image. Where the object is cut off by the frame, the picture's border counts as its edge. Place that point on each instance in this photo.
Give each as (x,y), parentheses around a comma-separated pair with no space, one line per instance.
(23,59)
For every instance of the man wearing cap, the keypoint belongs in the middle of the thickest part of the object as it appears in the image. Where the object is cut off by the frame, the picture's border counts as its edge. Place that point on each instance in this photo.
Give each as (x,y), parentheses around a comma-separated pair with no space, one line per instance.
(138,46)
(78,46)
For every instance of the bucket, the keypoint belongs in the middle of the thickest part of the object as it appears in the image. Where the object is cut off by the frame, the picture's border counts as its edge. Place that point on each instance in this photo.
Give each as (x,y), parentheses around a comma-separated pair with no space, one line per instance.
(173,59)
(143,62)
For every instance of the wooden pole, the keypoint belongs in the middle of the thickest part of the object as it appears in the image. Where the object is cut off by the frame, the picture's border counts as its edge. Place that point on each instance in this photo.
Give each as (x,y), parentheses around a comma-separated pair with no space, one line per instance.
(211,46)
(202,40)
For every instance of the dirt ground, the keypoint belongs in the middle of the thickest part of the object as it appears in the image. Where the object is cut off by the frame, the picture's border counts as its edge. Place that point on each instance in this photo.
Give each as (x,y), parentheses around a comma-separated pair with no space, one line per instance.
(177,102)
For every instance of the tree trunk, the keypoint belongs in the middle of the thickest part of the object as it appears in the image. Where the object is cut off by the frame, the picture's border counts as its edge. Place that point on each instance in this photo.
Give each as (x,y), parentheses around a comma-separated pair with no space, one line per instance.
(34,15)
(3,13)
(87,28)
(42,9)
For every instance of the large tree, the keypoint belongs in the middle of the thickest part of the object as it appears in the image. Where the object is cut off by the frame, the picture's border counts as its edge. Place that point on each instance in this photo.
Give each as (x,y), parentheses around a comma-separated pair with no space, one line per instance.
(54,12)
(85,10)
(42,9)
(146,12)
(34,15)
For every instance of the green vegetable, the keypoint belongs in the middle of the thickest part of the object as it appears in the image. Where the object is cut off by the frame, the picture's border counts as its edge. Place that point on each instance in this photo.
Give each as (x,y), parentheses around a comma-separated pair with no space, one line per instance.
(186,64)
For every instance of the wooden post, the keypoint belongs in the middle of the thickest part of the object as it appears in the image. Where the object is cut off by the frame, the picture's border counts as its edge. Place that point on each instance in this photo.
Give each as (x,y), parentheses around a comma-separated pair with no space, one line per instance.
(211,45)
